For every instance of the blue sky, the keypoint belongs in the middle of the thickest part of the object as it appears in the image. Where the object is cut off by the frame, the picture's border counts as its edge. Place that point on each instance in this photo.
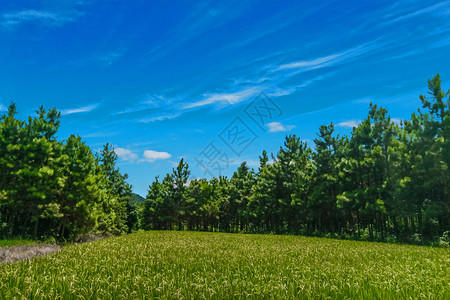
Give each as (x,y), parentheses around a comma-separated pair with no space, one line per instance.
(216,82)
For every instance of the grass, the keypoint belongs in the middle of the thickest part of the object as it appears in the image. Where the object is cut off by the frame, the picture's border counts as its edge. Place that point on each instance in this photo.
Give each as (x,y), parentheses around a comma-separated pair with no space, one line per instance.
(16,242)
(192,265)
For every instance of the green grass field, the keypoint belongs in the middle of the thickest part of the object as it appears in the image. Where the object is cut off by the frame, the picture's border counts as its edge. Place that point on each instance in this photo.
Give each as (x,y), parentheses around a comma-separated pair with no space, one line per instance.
(15,242)
(194,265)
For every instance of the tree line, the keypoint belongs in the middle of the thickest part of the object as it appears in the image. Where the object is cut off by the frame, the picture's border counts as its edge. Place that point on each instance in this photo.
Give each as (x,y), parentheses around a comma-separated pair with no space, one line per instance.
(59,189)
(386,181)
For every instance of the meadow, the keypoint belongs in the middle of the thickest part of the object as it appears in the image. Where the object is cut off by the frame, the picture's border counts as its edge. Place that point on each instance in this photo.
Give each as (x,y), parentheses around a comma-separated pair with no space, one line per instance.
(196,265)
(16,242)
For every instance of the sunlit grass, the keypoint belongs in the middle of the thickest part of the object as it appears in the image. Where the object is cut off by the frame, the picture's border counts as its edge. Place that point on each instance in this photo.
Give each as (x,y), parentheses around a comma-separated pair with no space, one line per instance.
(16,242)
(194,265)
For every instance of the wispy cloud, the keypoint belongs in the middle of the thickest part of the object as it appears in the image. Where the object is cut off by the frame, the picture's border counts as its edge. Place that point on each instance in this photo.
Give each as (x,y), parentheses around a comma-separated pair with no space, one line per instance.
(50,18)
(328,60)
(225,97)
(363,100)
(312,63)
(152,156)
(82,109)
(246,81)
(3,108)
(148,102)
(262,30)
(160,118)
(442,8)
(175,109)
(174,164)
(269,78)
(132,109)
(111,57)
(126,154)
(279,127)
(100,134)
(272,81)
(202,19)
(349,123)
(441,41)
(232,96)
(277,91)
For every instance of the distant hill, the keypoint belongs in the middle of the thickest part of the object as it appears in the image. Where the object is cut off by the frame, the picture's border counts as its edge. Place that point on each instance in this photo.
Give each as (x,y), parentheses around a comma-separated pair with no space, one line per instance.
(138,198)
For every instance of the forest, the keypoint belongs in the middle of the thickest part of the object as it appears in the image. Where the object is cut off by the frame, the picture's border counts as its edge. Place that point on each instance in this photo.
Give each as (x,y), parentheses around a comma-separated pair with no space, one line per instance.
(54,189)
(386,181)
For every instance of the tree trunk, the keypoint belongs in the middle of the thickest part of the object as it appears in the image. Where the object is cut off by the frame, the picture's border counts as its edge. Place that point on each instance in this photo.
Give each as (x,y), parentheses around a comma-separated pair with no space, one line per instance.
(35,230)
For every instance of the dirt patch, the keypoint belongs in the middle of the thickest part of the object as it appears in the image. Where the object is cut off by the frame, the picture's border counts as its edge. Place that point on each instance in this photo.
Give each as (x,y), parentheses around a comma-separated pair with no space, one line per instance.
(15,253)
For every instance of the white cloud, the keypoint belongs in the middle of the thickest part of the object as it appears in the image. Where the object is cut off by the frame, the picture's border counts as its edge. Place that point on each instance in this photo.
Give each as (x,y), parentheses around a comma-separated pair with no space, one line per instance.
(132,109)
(111,57)
(10,20)
(440,9)
(97,134)
(396,120)
(271,84)
(172,110)
(3,108)
(349,123)
(278,92)
(278,127)
(311,64)
(329,60)
(248,93)
(173,163)
(269,79)
(82,109)
(226,98)
(152,156)
(126,154)
(160,118)
(246,81)
(148,102)
(237,161)
(363,100)
(202,18)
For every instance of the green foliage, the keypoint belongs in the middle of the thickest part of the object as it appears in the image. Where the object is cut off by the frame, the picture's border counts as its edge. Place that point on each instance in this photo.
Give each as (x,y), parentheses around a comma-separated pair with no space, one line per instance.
(192,265)
(54,189)
(386,181)
(124,209)
(138,198)
(15,242)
